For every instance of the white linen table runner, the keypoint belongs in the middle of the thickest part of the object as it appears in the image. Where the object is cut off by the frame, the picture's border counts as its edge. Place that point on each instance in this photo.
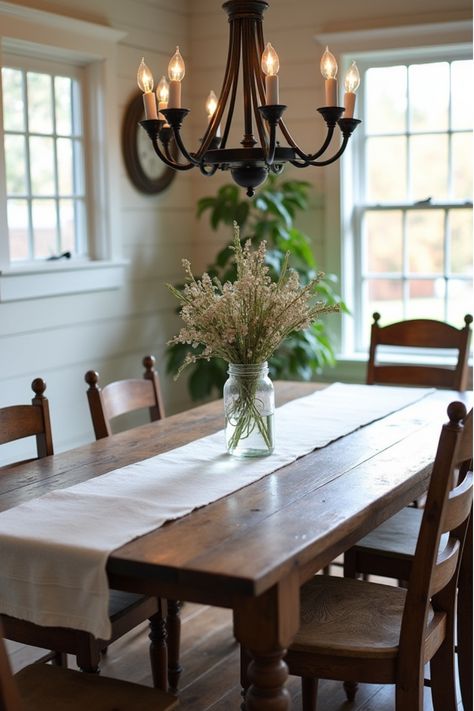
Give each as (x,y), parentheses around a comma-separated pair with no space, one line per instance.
(54,549)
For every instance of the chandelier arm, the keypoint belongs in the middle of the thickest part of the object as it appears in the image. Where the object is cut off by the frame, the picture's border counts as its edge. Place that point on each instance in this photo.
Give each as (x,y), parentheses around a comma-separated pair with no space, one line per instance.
(307,157)
(254,86)
(182,148)
(236,29)
(170,163)
(321,163)
(249,140)
(226,85)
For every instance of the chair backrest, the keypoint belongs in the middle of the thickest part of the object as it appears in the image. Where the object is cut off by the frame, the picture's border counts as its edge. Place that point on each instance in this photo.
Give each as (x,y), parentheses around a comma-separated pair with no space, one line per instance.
(420,333)
(19,421)
(9,694)
(435,569)
(123,396)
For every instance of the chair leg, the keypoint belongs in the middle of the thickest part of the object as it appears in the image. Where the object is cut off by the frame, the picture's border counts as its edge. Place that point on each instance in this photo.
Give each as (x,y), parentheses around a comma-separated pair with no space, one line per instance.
(159,650)
(350,571)
(59,659)
(350,564)
(350,687)
(409,699)
(173,624)
(88,659)
(309,688)
(443,688)
(245,659)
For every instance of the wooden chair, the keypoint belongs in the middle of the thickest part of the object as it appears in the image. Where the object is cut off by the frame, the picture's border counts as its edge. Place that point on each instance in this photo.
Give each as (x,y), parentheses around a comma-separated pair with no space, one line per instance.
(123,396)
(354,630)
(126,610)
(420,333)
(46,688)
(118,398)
(20,421)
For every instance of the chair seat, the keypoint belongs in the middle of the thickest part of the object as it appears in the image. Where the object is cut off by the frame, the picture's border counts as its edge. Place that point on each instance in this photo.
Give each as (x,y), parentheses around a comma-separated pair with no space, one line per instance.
(396,537)
(120,601)
(47,688)
(350,618)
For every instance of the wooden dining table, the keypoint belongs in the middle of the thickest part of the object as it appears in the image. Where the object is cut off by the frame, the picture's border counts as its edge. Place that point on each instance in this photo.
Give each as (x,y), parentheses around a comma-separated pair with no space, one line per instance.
(252,550)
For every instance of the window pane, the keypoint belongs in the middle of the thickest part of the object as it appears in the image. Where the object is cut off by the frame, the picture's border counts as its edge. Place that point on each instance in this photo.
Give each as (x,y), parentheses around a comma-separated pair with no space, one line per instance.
(66,222)
(386,99)
(462,166)
(42,165)
(386,297)
(384,241)
(460,224)
(425,240)
(65,177)
(429,167)
(62,95)
(460,299)
(386,161)
(426,298)
(13,105)
(44,227)
(429,96)
(40,103)
(462,104)
(17,215)
(15,159)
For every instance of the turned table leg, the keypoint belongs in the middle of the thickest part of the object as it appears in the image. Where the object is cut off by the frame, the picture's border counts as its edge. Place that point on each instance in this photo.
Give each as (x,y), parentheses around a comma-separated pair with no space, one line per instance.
(267,675)
(265,625)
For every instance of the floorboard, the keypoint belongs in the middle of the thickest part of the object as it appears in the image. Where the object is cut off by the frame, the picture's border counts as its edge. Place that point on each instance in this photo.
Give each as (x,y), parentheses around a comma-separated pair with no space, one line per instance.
(210,658)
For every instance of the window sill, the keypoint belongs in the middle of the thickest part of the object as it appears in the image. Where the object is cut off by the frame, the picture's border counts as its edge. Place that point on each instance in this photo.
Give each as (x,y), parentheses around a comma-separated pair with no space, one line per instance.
(59,278)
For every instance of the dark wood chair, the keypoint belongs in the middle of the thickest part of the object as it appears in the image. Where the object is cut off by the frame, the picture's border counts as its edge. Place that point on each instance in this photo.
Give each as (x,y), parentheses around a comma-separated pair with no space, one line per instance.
(21,421)
(106,403)
(354,630)
(123,396)
(46,688)
(126,610)
(420,333)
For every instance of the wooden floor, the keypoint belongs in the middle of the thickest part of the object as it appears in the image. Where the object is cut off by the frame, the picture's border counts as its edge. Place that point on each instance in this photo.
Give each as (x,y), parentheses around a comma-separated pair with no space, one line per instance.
(210,657)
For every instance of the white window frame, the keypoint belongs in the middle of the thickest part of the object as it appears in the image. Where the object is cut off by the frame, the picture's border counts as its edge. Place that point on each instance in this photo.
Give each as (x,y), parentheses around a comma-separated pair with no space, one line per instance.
(35,33)
(341,244)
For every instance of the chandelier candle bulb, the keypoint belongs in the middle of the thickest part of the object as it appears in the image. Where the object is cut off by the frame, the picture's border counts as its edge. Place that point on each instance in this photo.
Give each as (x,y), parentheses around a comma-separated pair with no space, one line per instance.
(351,84)
(270,67)
(328,66)
(162,93)
(176,71)
(145,82)
(211,108)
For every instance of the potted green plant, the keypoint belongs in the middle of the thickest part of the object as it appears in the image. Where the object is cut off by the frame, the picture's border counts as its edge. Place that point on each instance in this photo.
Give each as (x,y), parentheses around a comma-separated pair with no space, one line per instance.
(270,217)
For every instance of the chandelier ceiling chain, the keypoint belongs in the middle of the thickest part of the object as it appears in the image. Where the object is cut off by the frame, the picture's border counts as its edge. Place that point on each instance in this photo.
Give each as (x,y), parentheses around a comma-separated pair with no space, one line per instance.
(258,65)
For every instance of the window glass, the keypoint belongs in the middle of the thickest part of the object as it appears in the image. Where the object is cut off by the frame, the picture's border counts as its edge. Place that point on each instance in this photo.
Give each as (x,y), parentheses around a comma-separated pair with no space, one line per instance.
(414,207)
(386,100)
(386,185)
(428,96)
(44,156)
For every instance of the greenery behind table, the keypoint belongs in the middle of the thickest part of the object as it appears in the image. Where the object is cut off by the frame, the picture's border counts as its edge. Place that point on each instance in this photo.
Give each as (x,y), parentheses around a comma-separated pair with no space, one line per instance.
(269,216)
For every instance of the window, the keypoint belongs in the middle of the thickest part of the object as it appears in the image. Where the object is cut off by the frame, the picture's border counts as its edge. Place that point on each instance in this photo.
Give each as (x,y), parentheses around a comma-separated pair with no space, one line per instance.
(411,220)
(44,159)
(59,153)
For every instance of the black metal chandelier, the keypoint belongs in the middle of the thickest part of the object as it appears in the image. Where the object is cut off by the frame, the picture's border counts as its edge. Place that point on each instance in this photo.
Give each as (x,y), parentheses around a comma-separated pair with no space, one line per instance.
(258,66)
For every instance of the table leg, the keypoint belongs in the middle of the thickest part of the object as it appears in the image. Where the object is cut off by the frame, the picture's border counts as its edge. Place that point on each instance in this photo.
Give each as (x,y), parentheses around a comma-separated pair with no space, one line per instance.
(265,626)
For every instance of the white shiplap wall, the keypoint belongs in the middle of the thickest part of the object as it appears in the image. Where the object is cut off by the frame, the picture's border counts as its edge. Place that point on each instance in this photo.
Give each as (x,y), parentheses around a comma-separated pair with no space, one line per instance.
(60,338)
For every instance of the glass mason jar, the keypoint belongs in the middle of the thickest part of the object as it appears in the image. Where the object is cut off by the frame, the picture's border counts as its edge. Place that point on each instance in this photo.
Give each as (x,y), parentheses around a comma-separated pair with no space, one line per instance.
(249,404)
